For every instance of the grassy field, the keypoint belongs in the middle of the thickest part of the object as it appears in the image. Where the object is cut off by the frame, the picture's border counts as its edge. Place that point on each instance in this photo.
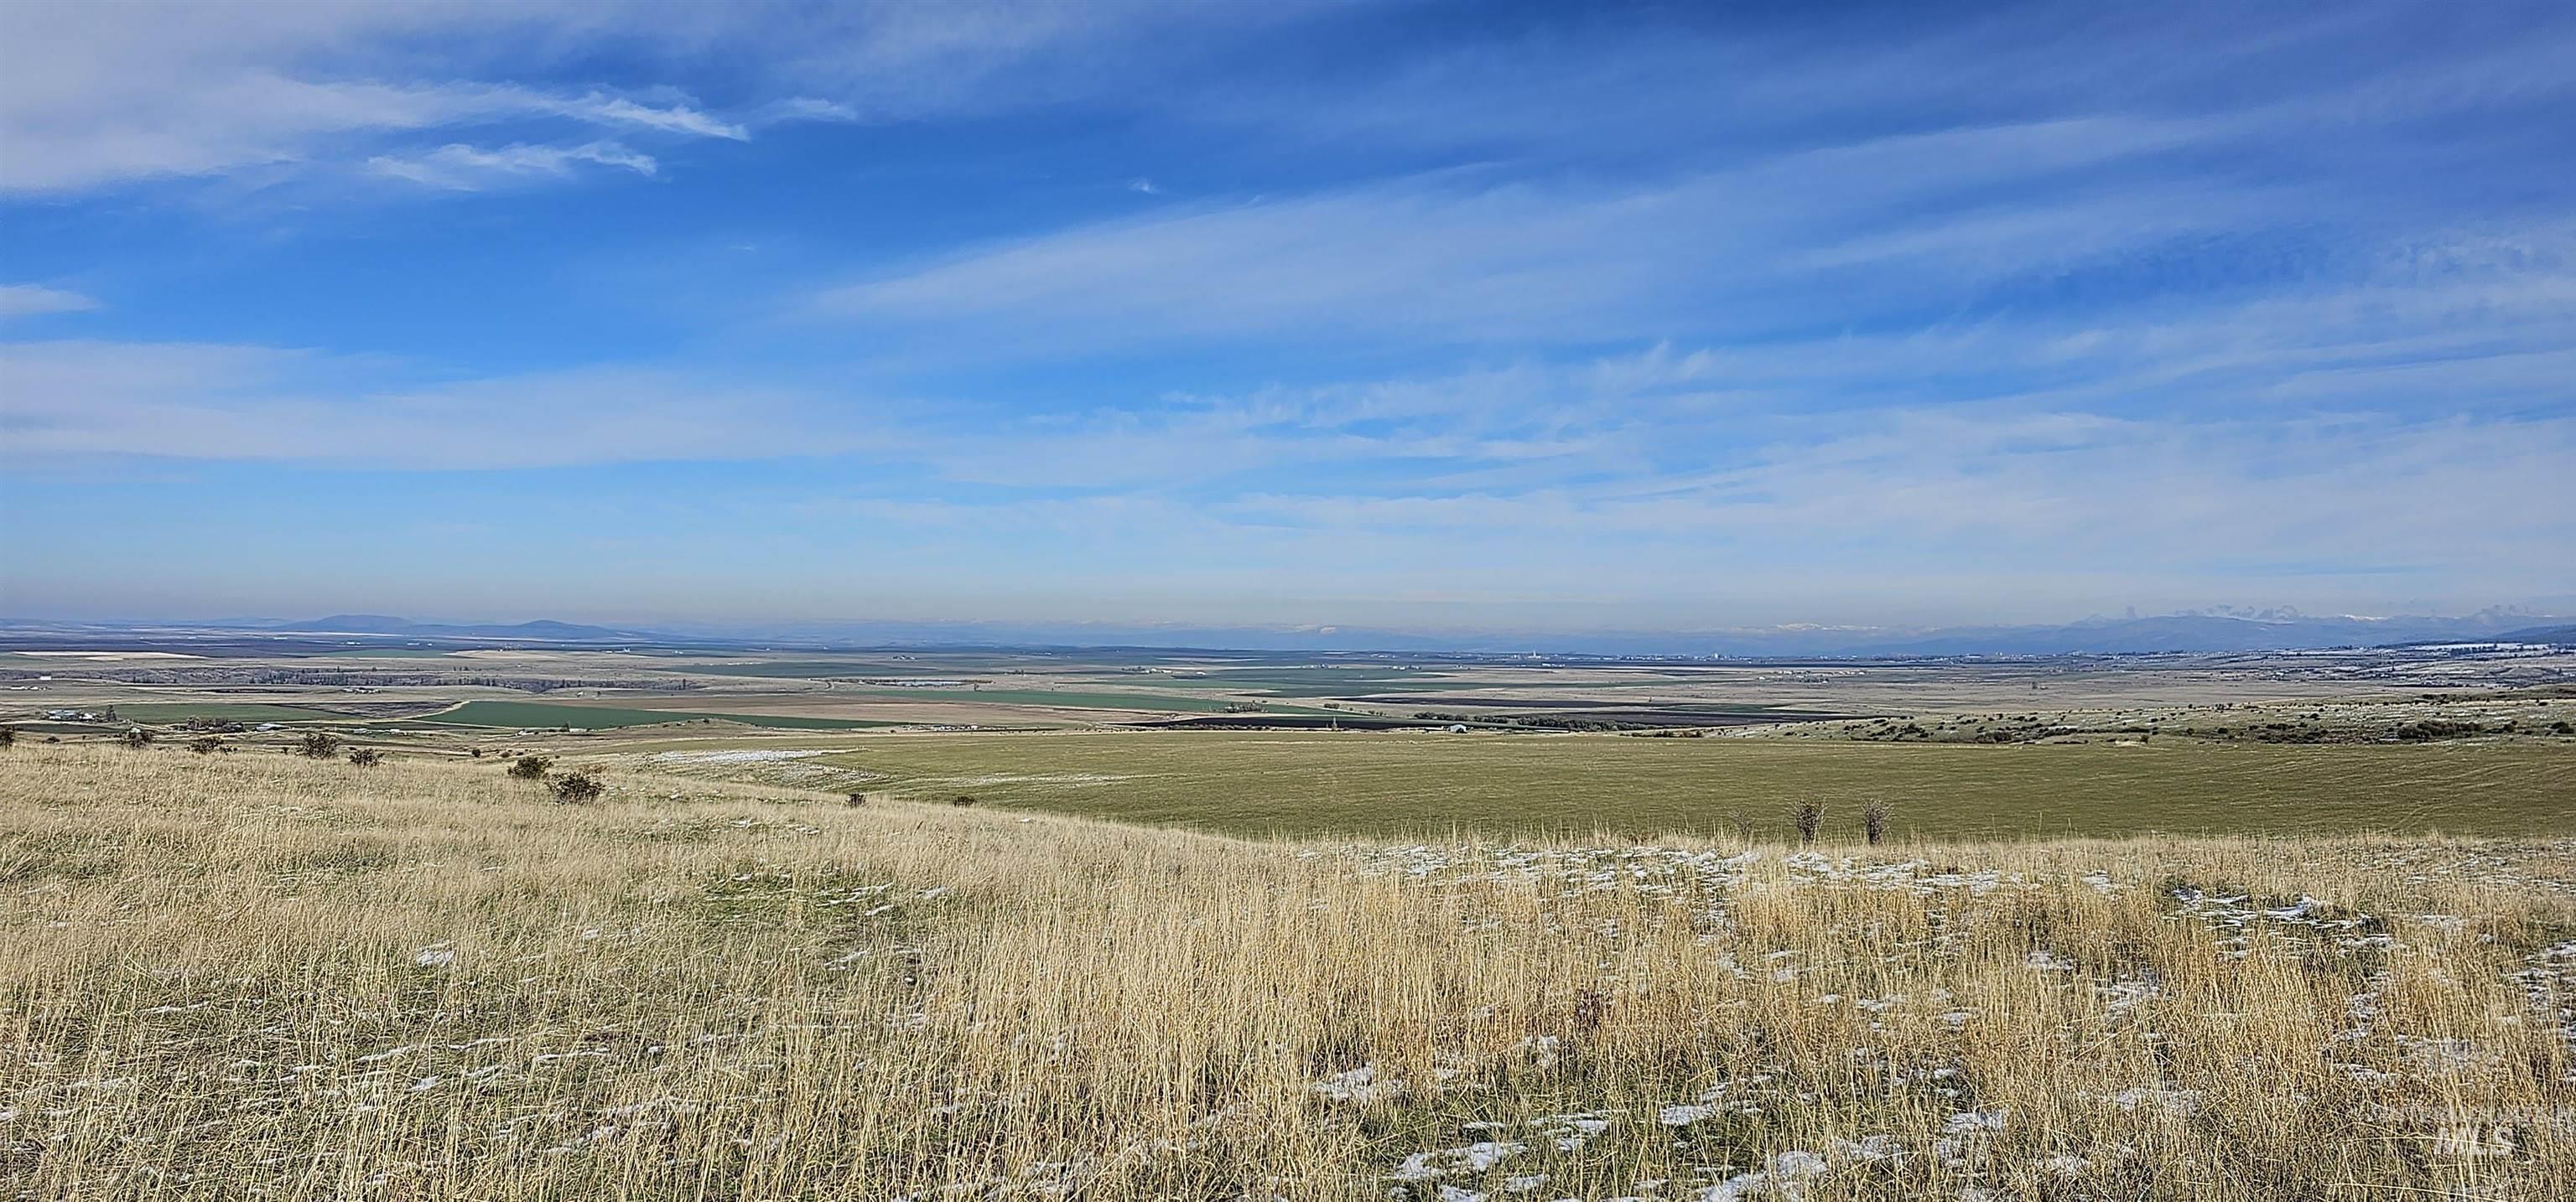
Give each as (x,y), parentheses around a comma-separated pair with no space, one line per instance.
(1301,783)
(252,975)
(535,714)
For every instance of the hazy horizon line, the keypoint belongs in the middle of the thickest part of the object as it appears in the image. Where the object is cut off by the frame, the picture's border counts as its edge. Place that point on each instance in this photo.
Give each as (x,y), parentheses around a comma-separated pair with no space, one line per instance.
(2542,611)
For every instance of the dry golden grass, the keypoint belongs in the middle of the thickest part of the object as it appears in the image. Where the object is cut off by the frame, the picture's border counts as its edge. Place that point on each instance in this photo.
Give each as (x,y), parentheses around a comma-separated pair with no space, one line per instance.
(255,975)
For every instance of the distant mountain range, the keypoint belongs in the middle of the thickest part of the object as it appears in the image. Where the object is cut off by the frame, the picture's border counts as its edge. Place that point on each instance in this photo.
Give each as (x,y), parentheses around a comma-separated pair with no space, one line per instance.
(2095,636)
(544,631)
(2176,633)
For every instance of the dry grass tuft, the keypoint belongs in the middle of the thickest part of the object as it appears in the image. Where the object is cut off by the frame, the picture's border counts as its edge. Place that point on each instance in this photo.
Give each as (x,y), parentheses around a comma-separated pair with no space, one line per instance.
(262,975)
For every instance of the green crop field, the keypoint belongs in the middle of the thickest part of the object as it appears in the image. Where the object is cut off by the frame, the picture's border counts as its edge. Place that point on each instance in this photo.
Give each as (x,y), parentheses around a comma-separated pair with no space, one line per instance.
(1067,699)
(1352,682)
(1397,784)
(518,714)
(803,669)
(1328,682)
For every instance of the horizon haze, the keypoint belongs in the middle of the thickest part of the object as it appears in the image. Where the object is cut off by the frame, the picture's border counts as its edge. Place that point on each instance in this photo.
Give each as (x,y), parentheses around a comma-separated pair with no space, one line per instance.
(2222,629)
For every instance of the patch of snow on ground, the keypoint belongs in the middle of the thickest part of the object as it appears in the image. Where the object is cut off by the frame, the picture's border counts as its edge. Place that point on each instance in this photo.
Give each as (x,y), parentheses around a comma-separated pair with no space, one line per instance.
(1974,1121)
(1781,1174)
(1471,1159)
(730,757)
(1359,1085)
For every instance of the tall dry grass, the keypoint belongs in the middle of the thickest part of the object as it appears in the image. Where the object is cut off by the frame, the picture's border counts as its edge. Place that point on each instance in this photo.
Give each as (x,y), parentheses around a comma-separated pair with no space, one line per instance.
(259,975)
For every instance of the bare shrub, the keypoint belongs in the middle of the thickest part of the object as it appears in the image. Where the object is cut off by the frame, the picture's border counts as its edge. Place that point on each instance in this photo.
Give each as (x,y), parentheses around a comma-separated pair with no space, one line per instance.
(8,736)
(320,745)
(858,799)
(577,786)
(964,799)
(1808,816)
(531,767)
(366,757)
(1873,821)
(205,744)
(136,736)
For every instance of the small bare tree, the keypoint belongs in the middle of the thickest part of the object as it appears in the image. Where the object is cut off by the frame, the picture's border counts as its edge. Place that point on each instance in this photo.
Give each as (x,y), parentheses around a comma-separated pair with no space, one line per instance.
(366,757)
(531,767)
(858,799)
(205,744)
(8,736)
(320,745)
(1873,821)
(1808,816)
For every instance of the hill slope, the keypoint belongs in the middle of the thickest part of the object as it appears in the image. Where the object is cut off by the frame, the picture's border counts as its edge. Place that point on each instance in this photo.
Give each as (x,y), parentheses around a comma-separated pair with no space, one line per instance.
(427,977)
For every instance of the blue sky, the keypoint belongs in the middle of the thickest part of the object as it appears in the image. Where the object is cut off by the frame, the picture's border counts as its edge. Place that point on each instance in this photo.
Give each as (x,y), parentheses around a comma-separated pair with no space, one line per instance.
(1412,314)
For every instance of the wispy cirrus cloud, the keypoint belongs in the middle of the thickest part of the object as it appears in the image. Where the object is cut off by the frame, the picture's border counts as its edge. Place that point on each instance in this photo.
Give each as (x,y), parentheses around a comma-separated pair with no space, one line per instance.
(1633,480)
(257,119)
(461,168)
(29,300)
(1722,181)
(617,110)
(69,402)
(98,96)
(1849,234)
(2481,319)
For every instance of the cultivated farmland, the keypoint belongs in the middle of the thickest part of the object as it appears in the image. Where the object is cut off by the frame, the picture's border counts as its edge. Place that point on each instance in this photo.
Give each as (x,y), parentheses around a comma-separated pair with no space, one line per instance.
(532,714)
(1512,785)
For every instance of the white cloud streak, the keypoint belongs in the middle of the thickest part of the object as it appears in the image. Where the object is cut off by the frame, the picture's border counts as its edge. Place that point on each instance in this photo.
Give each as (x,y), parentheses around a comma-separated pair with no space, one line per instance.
(1459,256)
(1636,481)
(68,402)
(29,300)
(104,95)
(463,168)
(98,96)
(616,110)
